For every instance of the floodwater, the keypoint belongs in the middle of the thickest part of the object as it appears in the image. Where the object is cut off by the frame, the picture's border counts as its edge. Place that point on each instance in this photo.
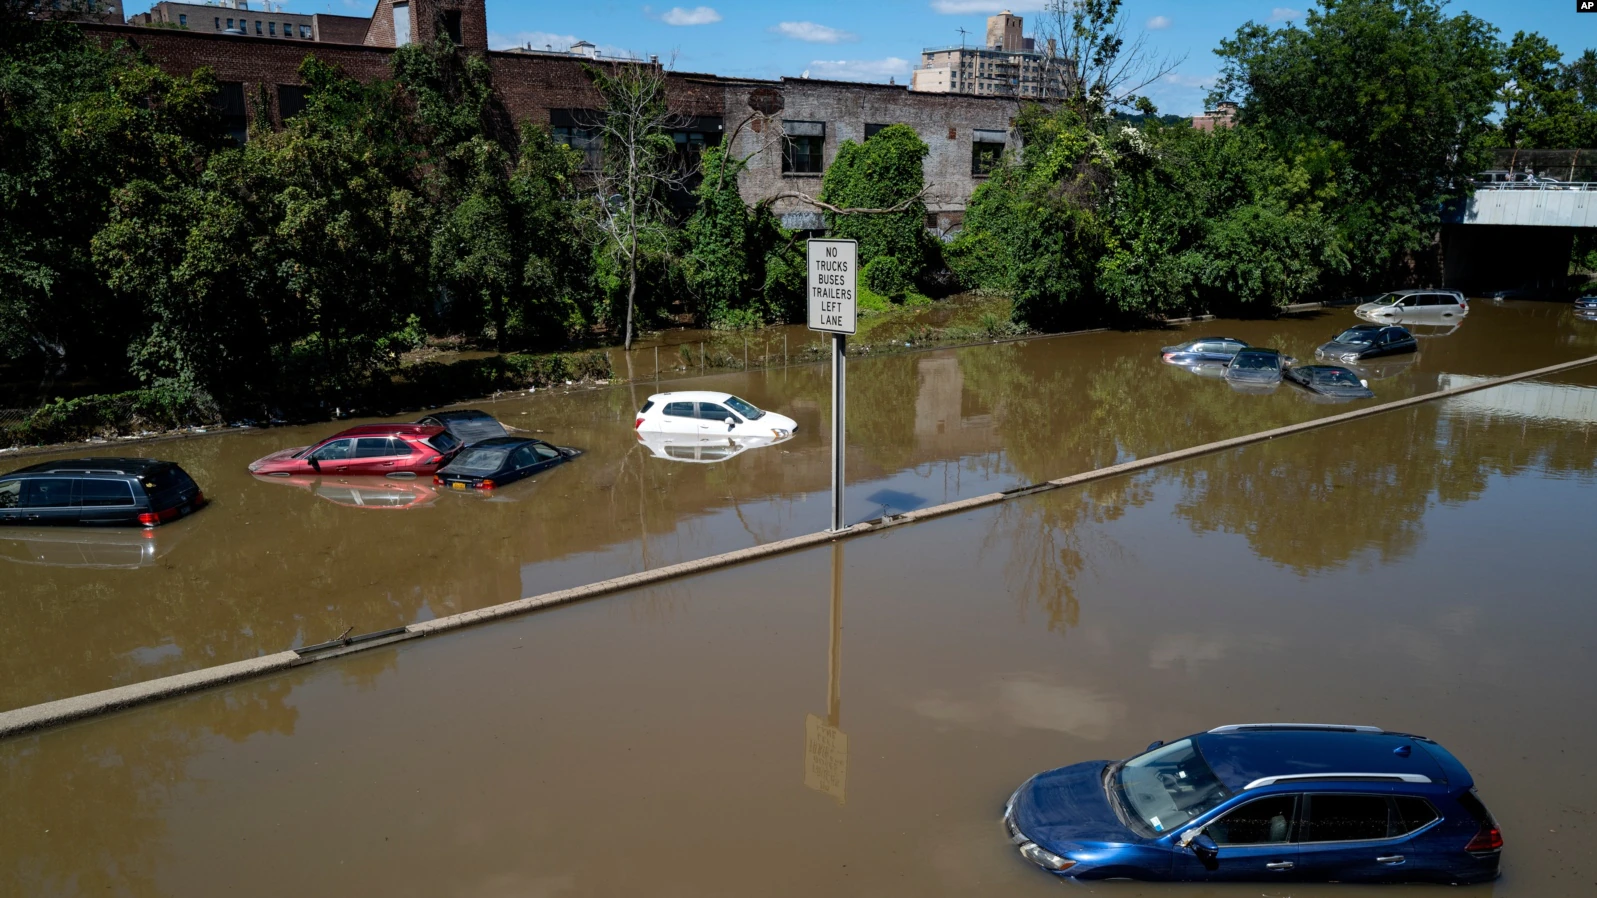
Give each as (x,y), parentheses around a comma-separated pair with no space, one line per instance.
(278,563)
(848,720)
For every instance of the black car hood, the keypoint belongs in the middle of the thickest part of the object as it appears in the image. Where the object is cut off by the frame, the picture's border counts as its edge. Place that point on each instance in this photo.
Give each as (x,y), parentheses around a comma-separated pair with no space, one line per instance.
(1335,348)
(1343,392)
(1254,375)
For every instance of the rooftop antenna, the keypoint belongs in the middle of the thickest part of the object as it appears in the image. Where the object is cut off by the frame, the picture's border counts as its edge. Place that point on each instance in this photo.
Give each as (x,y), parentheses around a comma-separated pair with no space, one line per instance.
(962,33)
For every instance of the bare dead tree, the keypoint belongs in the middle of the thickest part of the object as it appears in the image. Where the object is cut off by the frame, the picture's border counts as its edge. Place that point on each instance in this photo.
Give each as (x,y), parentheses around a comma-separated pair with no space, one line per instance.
(638,169)
(1100,68)
(848,210)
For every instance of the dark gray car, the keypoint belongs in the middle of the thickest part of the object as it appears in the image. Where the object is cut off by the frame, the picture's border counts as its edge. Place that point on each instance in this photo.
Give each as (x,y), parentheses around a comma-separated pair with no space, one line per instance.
(1255,368)
(143,491)
(1330,380)
(1367,341)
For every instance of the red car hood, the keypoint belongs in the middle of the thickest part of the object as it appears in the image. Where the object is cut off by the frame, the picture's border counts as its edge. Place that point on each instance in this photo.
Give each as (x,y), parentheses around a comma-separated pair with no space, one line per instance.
(281,462)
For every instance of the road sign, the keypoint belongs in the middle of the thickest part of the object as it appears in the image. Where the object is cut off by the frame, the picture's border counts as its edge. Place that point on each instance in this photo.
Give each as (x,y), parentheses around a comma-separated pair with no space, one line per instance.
(833,275)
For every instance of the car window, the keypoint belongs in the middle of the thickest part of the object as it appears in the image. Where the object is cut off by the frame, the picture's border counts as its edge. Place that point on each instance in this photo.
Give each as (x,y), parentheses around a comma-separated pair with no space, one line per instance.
(680,410)
(745,409)
(1170,785)
(1257,822)
(1410,302)
(1349,818)
(1254,361)
(478,461)
(1412,813)
(104,493)
(47,492)
(10,494)
(709,411)
(647,404)
(337,450)
(546,452)
(1352,335)
(377,447)
(443,442)
(1337,376)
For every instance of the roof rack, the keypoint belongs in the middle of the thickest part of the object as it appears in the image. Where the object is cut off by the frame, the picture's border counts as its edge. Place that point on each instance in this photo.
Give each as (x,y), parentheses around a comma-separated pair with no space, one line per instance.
(1296,777)
(1342,727)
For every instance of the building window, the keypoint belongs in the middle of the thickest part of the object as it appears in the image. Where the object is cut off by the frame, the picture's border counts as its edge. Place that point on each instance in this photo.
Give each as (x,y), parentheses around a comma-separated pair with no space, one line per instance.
(229,24)
(305,32)
(452,25)
(229,101)
(291,100)
(872,130)
(218,23)
(257,26)
(804,148)
(578,129)
(986,151)
(271,28)
(401,24)
(183,20)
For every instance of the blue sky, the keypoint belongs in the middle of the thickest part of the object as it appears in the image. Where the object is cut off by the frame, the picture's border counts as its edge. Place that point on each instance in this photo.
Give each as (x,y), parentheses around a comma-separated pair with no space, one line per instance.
(874,40)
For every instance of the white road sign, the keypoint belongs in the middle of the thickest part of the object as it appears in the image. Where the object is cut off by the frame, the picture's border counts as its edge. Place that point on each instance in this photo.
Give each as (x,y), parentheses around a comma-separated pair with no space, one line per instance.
(832,278)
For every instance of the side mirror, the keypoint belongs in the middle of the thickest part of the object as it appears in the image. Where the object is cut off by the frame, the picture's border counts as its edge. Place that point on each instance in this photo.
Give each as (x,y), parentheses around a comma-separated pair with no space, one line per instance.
(1154,744)
(1205,849)
(731,422)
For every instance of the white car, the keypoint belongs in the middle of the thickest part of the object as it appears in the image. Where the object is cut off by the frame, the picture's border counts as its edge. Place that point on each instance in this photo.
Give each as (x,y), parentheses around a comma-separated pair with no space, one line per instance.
(700,413)
(1416,305)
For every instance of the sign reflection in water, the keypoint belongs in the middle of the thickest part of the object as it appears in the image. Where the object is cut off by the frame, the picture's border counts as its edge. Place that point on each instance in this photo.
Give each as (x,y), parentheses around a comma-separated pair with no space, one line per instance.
(825,743)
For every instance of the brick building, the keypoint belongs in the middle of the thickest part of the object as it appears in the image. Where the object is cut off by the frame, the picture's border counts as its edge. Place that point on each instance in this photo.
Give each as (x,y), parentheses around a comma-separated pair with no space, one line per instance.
(791,128)
(1224,115)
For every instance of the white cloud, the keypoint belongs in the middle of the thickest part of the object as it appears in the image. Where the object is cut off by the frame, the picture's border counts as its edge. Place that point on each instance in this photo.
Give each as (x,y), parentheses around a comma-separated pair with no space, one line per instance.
(968,7)
(1181,80)
(860,69)
(698,15)
(1285,14)
(815,34)
(1158,23)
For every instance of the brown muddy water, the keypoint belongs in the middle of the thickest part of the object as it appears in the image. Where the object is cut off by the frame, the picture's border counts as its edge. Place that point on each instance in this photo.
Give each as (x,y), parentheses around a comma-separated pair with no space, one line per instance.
(848,720)
(274,564)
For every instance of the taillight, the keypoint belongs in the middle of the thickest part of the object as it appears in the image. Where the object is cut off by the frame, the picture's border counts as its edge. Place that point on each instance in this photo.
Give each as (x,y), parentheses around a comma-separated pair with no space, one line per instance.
(199,499)
(434,460)
(153,518)
(438,481)
(485,484)
(1490,838)
(1169,355)
(637,424)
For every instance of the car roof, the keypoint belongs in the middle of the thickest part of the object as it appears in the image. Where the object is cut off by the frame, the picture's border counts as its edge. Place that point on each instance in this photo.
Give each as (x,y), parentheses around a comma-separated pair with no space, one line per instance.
(691,395)
(1370,328)
(1242,756)
(1259,350)
(461,414)
(370,430)
(122,466)
(504,442)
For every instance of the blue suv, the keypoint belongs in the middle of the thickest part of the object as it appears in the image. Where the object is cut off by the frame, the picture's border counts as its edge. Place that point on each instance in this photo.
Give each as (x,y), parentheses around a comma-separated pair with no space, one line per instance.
(1263,802)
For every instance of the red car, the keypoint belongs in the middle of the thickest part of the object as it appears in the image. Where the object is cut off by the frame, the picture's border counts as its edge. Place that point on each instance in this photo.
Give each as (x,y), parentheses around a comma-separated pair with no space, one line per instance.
(372,449)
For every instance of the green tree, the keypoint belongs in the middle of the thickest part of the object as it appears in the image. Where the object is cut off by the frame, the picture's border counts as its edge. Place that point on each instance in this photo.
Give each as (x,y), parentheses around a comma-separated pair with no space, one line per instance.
(1393,95)
(741,267)
(884,174)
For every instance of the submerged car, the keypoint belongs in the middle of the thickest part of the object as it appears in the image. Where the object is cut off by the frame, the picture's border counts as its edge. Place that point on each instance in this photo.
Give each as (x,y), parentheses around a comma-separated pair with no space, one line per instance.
(376,450)
(1586,307)
(1330,380)
(500,461)
(1366,341)
(1416,305)
(468,425)
(1264,803)
(710,414)
(110,491)
(1207,350)
(1257,367)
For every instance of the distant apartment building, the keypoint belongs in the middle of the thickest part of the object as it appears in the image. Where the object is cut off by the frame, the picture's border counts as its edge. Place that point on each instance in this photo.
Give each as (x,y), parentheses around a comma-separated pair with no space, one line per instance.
(1007,65)
(1224,115)
(268,20)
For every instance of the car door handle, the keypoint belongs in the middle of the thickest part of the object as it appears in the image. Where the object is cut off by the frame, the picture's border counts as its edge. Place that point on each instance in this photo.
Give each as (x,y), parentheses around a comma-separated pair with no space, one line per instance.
(1393,859)
(388,464)
(1279,865)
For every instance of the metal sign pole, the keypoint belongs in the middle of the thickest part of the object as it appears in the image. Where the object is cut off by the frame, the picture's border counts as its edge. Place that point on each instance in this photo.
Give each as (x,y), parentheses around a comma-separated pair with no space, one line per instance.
(833,277)
(839,391)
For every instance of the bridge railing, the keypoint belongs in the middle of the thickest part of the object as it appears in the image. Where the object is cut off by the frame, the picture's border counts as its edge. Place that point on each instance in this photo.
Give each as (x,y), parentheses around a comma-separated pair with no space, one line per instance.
(1539,184)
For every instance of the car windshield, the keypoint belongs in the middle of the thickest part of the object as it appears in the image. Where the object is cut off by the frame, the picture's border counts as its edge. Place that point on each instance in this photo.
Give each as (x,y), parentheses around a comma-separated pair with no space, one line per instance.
(1352,335)
(478,461)
(1252,361)
(744,409)
(1171,785)
(1337,376)
(1390,299)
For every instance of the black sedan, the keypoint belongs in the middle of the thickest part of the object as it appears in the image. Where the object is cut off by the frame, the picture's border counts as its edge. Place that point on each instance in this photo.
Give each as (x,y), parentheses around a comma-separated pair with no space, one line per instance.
(1367,341)
(1208,350)
(1256,368)
(1330,380)
(468,425)
(1586,307)
(501,460)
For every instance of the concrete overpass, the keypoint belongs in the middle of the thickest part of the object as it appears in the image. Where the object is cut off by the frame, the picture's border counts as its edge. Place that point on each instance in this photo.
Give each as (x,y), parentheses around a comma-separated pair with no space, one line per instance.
(1515,233)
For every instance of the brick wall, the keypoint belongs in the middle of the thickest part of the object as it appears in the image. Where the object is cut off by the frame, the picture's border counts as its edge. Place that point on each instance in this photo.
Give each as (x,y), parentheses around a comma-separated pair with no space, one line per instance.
(339,29)
(381,32)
